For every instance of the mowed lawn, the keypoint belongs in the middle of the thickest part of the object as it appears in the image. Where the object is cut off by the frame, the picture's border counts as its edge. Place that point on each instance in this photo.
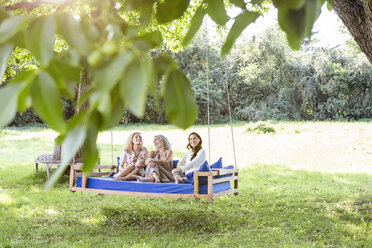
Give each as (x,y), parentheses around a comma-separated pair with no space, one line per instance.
(307,185)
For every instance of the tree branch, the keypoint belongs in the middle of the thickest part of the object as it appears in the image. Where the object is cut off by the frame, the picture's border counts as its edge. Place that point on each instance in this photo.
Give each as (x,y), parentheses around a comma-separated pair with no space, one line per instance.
(30,6)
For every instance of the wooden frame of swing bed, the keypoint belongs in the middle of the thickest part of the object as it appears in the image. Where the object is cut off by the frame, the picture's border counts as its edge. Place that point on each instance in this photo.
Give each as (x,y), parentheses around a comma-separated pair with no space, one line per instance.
(76,171)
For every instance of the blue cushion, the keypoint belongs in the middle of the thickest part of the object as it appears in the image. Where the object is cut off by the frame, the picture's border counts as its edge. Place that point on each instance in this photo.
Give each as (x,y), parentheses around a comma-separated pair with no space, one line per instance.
(118,161)
(217,164)
(175,162)
(202,180)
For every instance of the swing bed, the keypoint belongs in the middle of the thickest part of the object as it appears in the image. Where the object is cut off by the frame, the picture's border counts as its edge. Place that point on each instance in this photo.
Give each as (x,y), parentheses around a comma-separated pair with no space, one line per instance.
(207,184)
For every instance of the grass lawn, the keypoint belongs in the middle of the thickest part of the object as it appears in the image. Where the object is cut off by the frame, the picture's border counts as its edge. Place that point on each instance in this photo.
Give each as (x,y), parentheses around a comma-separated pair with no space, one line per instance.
(307,185)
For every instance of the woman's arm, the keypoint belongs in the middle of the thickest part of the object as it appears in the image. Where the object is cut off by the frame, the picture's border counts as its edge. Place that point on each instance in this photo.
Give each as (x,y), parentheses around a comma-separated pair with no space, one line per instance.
(142,158)
(196,162)
(168,159)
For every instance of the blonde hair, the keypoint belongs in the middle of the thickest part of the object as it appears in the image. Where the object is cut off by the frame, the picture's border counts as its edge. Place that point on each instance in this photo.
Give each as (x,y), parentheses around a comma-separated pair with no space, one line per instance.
(128,146)
(167,145)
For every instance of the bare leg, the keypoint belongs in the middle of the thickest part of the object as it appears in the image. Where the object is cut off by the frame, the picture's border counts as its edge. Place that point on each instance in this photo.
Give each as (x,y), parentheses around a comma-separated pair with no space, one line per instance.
(156,177)
(126,171)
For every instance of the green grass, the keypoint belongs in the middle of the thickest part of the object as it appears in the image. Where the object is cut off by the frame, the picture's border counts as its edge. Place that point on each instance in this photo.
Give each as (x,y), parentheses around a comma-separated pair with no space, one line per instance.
(277,205)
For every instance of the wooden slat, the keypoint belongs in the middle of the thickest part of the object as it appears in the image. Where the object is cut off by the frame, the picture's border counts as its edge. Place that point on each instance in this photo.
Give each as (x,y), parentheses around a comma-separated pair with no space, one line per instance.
(72,177)
(225,179)
(94,174)
(228,192)
(129,193)
(84,181)
(196,184)
(221,172)
(210,186)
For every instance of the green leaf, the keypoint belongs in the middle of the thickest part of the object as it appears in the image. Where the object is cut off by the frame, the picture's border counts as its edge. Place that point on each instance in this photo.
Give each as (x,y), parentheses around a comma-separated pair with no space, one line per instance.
(46,101)
(8,103)
(72,32)
(5,51)
(104,106)
(298,23)
(240,3)
(133,86)
(181,108)
(289,4)
(241,22)
(40,37)
(293,24)
(117,108)
(105,78)
(216,10)
(149,40)
(329,4)
(90,150)
(196,22)
(3,15)
(71,144)
(61,73)
(25,78)
(313,9)
(170,10)
(11,26)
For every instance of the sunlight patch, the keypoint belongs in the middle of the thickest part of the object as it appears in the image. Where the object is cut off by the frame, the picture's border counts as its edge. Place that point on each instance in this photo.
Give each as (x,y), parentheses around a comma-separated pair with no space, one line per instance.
(51,212)
(5,199)
(93,220)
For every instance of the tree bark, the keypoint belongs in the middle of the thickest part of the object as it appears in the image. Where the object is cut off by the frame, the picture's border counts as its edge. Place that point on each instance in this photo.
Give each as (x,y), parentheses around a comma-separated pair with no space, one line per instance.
(357,17)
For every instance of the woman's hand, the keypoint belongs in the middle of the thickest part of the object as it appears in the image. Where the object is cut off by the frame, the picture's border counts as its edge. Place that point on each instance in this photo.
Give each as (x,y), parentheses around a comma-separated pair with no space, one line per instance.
(176,170)
(152,164)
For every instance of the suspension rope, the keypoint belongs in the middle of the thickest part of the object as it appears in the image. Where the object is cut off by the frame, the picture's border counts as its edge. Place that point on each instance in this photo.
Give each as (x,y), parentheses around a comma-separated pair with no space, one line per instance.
(229,107)
(112,148)
(207,70)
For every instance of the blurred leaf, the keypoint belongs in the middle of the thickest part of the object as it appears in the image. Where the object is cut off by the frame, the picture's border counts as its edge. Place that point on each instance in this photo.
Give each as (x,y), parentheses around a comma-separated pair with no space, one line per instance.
(104,105)
(3,15)
(117,107)
(313,9)
(5,51)
(241,22)
(71,144)
(240,3)
(289,4)
(8,103)
(293,24)
(72,32)
(298,23)
(90,150)
(60,71)
(24,78)
(40,37)
(180,105)
(196,22)
(149,40)
(46,101)
(329,4)
(170,10)
(216,10)
(105,78)
(257,2)
(12,25)
(134,86)
(163,63)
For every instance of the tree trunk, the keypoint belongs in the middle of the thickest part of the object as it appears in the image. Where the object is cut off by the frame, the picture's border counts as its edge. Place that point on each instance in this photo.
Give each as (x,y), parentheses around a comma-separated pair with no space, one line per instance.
(82,87)
(357,17)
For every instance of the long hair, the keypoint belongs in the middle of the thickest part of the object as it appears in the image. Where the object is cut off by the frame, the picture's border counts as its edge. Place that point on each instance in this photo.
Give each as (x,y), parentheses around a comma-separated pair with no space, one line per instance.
(197,148)
(128,146)
(166,143)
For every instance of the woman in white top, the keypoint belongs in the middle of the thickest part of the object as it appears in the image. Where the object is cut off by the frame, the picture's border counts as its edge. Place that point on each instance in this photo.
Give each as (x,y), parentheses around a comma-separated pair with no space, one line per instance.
(132,160)
(192,160)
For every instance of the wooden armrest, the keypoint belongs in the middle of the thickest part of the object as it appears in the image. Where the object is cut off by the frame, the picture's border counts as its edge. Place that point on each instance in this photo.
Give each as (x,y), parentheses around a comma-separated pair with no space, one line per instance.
(221,172)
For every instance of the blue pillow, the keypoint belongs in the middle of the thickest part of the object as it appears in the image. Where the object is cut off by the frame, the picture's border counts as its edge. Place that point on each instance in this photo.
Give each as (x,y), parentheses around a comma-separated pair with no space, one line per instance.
(202,180)
(118,161)
(175,162)
(217,164)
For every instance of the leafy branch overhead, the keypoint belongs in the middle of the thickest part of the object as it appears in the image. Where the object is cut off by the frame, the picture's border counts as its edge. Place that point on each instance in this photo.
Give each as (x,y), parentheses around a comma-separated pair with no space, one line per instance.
(106,46)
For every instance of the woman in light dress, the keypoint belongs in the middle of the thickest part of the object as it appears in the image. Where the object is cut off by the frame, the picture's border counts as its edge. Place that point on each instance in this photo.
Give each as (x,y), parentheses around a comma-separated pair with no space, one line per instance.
(159,162)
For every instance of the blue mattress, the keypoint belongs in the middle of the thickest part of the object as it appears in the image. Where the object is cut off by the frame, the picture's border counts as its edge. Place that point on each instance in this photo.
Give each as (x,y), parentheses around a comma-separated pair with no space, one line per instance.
(108,183)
